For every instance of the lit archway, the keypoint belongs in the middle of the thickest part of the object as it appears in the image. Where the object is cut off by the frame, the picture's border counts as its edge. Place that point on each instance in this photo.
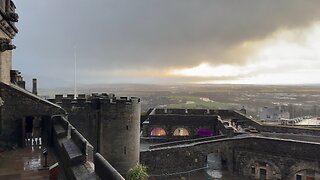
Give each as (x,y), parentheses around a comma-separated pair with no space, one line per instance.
(158,132)
(181,132)
(205,132)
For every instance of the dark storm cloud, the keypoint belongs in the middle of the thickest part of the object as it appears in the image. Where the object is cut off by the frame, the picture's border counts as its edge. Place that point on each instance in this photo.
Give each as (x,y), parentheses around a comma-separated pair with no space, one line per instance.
(118,34)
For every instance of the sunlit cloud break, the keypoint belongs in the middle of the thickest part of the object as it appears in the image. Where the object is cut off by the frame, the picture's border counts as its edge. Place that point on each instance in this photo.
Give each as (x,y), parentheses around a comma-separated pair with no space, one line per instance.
(286,57)
(206,70)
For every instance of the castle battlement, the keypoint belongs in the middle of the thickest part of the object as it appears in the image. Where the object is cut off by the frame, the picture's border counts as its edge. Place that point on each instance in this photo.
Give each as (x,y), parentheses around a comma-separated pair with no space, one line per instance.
(125,100)
(103,98)
(168,111)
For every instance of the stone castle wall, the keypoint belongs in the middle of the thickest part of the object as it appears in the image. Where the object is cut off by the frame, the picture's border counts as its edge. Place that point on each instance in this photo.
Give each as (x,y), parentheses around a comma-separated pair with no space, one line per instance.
(282,158)
(170,122)
(274,128)
(19,103)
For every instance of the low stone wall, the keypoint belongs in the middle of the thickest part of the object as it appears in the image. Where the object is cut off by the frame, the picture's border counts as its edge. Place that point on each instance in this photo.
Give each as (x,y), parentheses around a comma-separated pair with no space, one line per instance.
(79,140)
(288,155)
(291,130)
(188,141)
(276,128)
(169,160)
(104,169)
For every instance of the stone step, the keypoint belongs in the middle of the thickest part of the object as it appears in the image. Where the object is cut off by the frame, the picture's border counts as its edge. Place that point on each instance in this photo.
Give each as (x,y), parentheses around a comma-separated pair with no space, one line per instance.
(72,153)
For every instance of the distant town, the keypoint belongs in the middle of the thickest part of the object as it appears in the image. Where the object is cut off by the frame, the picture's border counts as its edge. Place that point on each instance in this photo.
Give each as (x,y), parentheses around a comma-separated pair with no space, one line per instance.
(266,103)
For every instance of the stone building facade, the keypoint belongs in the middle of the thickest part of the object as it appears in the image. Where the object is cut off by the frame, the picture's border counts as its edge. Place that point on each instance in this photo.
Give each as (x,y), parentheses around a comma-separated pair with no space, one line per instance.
(179,123)
(8,30)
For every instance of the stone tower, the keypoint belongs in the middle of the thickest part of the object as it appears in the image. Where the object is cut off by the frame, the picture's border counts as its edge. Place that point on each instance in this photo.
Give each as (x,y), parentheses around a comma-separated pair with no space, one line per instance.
(120,132)
(111,124)
(8,30)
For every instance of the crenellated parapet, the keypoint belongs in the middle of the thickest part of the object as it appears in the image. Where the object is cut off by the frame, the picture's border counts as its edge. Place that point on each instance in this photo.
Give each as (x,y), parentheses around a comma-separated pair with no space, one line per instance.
(172,111)
(103,98)
(121,101)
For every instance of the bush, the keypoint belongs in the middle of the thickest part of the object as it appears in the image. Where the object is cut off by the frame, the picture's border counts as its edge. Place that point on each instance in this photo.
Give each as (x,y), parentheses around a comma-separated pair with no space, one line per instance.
(138,172)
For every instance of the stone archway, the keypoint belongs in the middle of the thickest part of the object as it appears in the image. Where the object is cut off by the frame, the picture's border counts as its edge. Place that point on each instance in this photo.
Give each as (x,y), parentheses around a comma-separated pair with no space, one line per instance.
(158,131)
(33,130)
(181,132)
(28,130)
(214,164)
(261,169)
(304,170)
(308,174)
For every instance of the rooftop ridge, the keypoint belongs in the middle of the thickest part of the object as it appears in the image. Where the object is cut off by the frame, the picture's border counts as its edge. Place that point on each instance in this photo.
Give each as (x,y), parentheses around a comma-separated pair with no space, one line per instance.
(19,89)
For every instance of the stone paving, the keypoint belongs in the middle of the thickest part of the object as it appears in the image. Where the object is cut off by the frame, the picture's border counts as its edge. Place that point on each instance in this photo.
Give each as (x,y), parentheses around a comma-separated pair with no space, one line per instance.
(25,164)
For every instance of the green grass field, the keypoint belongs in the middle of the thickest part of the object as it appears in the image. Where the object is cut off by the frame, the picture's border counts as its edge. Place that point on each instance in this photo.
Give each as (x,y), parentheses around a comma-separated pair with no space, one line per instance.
(196,102)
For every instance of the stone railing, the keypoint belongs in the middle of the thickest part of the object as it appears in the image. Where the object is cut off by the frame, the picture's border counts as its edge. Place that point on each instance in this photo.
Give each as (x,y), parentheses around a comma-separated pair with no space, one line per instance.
(184,142)
(104,169)
(76,154)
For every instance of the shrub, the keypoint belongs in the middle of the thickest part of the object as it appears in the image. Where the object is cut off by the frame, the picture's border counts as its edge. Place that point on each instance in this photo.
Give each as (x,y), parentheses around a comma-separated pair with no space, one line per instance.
(138,172)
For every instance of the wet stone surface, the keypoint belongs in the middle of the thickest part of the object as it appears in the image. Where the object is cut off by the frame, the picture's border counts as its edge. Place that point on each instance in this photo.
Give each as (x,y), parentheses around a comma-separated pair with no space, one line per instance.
(26,163)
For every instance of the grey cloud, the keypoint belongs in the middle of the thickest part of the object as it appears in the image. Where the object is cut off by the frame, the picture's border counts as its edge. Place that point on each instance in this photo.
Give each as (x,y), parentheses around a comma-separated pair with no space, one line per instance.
(112,34)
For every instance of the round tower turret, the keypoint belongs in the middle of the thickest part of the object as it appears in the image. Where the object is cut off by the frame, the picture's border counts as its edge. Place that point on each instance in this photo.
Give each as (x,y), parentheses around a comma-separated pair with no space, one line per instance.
(120,132)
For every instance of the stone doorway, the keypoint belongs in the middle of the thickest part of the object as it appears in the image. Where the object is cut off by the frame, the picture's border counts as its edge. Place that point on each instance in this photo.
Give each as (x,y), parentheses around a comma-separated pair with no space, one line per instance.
(263,174)
(32,131)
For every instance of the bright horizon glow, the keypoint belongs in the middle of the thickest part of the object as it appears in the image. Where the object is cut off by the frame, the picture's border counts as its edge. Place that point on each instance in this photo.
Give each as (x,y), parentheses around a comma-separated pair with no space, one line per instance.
(286,57)
(205,70)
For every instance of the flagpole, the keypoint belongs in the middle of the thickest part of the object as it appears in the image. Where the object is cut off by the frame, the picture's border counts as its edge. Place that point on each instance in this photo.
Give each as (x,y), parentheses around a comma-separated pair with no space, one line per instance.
(75,73)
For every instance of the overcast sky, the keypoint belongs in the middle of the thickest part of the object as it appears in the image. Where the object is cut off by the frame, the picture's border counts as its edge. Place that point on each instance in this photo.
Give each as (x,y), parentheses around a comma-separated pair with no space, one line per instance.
(169,41)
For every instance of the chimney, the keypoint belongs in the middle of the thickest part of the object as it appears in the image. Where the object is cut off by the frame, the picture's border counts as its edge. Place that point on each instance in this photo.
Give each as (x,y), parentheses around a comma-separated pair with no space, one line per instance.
(34,86)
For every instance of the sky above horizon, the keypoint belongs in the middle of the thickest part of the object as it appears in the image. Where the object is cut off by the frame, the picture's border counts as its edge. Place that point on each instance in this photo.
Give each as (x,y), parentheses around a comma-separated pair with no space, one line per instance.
(168,41)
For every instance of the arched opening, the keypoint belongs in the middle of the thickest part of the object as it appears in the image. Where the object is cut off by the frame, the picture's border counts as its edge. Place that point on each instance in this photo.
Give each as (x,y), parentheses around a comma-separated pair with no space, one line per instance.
(32,131)
(214,164)
(257,169)
(158,132)
(308,174)
(28,128)
(181,132)
(205,132)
